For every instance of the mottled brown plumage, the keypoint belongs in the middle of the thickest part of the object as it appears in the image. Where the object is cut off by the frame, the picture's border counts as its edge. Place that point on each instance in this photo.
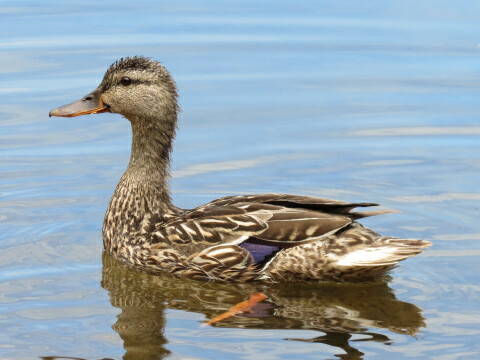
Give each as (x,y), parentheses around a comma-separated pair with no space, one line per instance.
(235,238)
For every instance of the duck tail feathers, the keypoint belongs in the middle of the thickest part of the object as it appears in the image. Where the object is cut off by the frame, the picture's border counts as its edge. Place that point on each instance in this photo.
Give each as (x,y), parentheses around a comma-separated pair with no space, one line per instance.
(387,251)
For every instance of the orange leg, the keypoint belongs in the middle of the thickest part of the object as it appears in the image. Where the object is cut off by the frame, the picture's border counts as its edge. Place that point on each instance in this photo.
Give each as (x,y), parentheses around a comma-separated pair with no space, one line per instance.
(241,307)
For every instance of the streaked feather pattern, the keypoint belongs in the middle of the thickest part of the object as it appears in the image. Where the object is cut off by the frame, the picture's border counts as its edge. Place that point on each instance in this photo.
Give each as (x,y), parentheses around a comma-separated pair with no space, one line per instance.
(273,237)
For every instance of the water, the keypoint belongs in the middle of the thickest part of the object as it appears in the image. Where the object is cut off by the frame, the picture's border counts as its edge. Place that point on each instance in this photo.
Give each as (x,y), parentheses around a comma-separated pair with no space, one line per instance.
(356,101)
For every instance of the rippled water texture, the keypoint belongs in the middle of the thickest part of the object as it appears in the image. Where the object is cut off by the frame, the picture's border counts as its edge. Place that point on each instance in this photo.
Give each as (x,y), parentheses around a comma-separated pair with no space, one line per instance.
(360,101)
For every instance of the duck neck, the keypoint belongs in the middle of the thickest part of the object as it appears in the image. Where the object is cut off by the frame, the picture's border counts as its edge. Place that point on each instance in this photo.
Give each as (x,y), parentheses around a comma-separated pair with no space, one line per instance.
(143,189)
(142,197)
(150,154)
(148,168)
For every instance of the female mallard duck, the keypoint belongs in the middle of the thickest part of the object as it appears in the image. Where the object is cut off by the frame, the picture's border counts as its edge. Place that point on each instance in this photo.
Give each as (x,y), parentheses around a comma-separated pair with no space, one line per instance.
(237,238)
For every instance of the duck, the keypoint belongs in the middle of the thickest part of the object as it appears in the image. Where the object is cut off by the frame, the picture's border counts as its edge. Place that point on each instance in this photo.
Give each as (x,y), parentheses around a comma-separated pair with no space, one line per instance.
(240,238)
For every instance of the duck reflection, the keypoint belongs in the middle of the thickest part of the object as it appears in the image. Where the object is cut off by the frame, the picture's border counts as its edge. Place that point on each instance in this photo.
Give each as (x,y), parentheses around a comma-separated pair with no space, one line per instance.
(337,310)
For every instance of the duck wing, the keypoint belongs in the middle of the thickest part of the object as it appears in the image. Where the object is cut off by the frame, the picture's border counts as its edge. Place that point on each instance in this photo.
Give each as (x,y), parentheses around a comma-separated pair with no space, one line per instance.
(233,237)
(300,201)
(271,219)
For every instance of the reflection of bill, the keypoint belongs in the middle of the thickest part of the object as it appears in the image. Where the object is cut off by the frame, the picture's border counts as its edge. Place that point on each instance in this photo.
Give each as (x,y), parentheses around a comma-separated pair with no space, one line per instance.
(336,309)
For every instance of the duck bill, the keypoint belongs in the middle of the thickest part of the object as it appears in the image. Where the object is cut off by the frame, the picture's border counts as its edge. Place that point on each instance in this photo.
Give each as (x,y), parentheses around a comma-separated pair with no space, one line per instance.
(89,104)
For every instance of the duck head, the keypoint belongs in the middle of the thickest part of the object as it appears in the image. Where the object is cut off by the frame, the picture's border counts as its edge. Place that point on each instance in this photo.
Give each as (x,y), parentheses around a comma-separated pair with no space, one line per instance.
(139,88)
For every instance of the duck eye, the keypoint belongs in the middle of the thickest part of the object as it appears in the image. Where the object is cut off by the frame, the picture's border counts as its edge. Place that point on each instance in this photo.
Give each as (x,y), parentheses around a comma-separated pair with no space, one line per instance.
(125,81)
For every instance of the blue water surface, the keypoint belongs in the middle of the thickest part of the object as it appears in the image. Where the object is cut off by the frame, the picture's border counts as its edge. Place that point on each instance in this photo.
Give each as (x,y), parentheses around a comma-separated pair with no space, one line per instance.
(359,101)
